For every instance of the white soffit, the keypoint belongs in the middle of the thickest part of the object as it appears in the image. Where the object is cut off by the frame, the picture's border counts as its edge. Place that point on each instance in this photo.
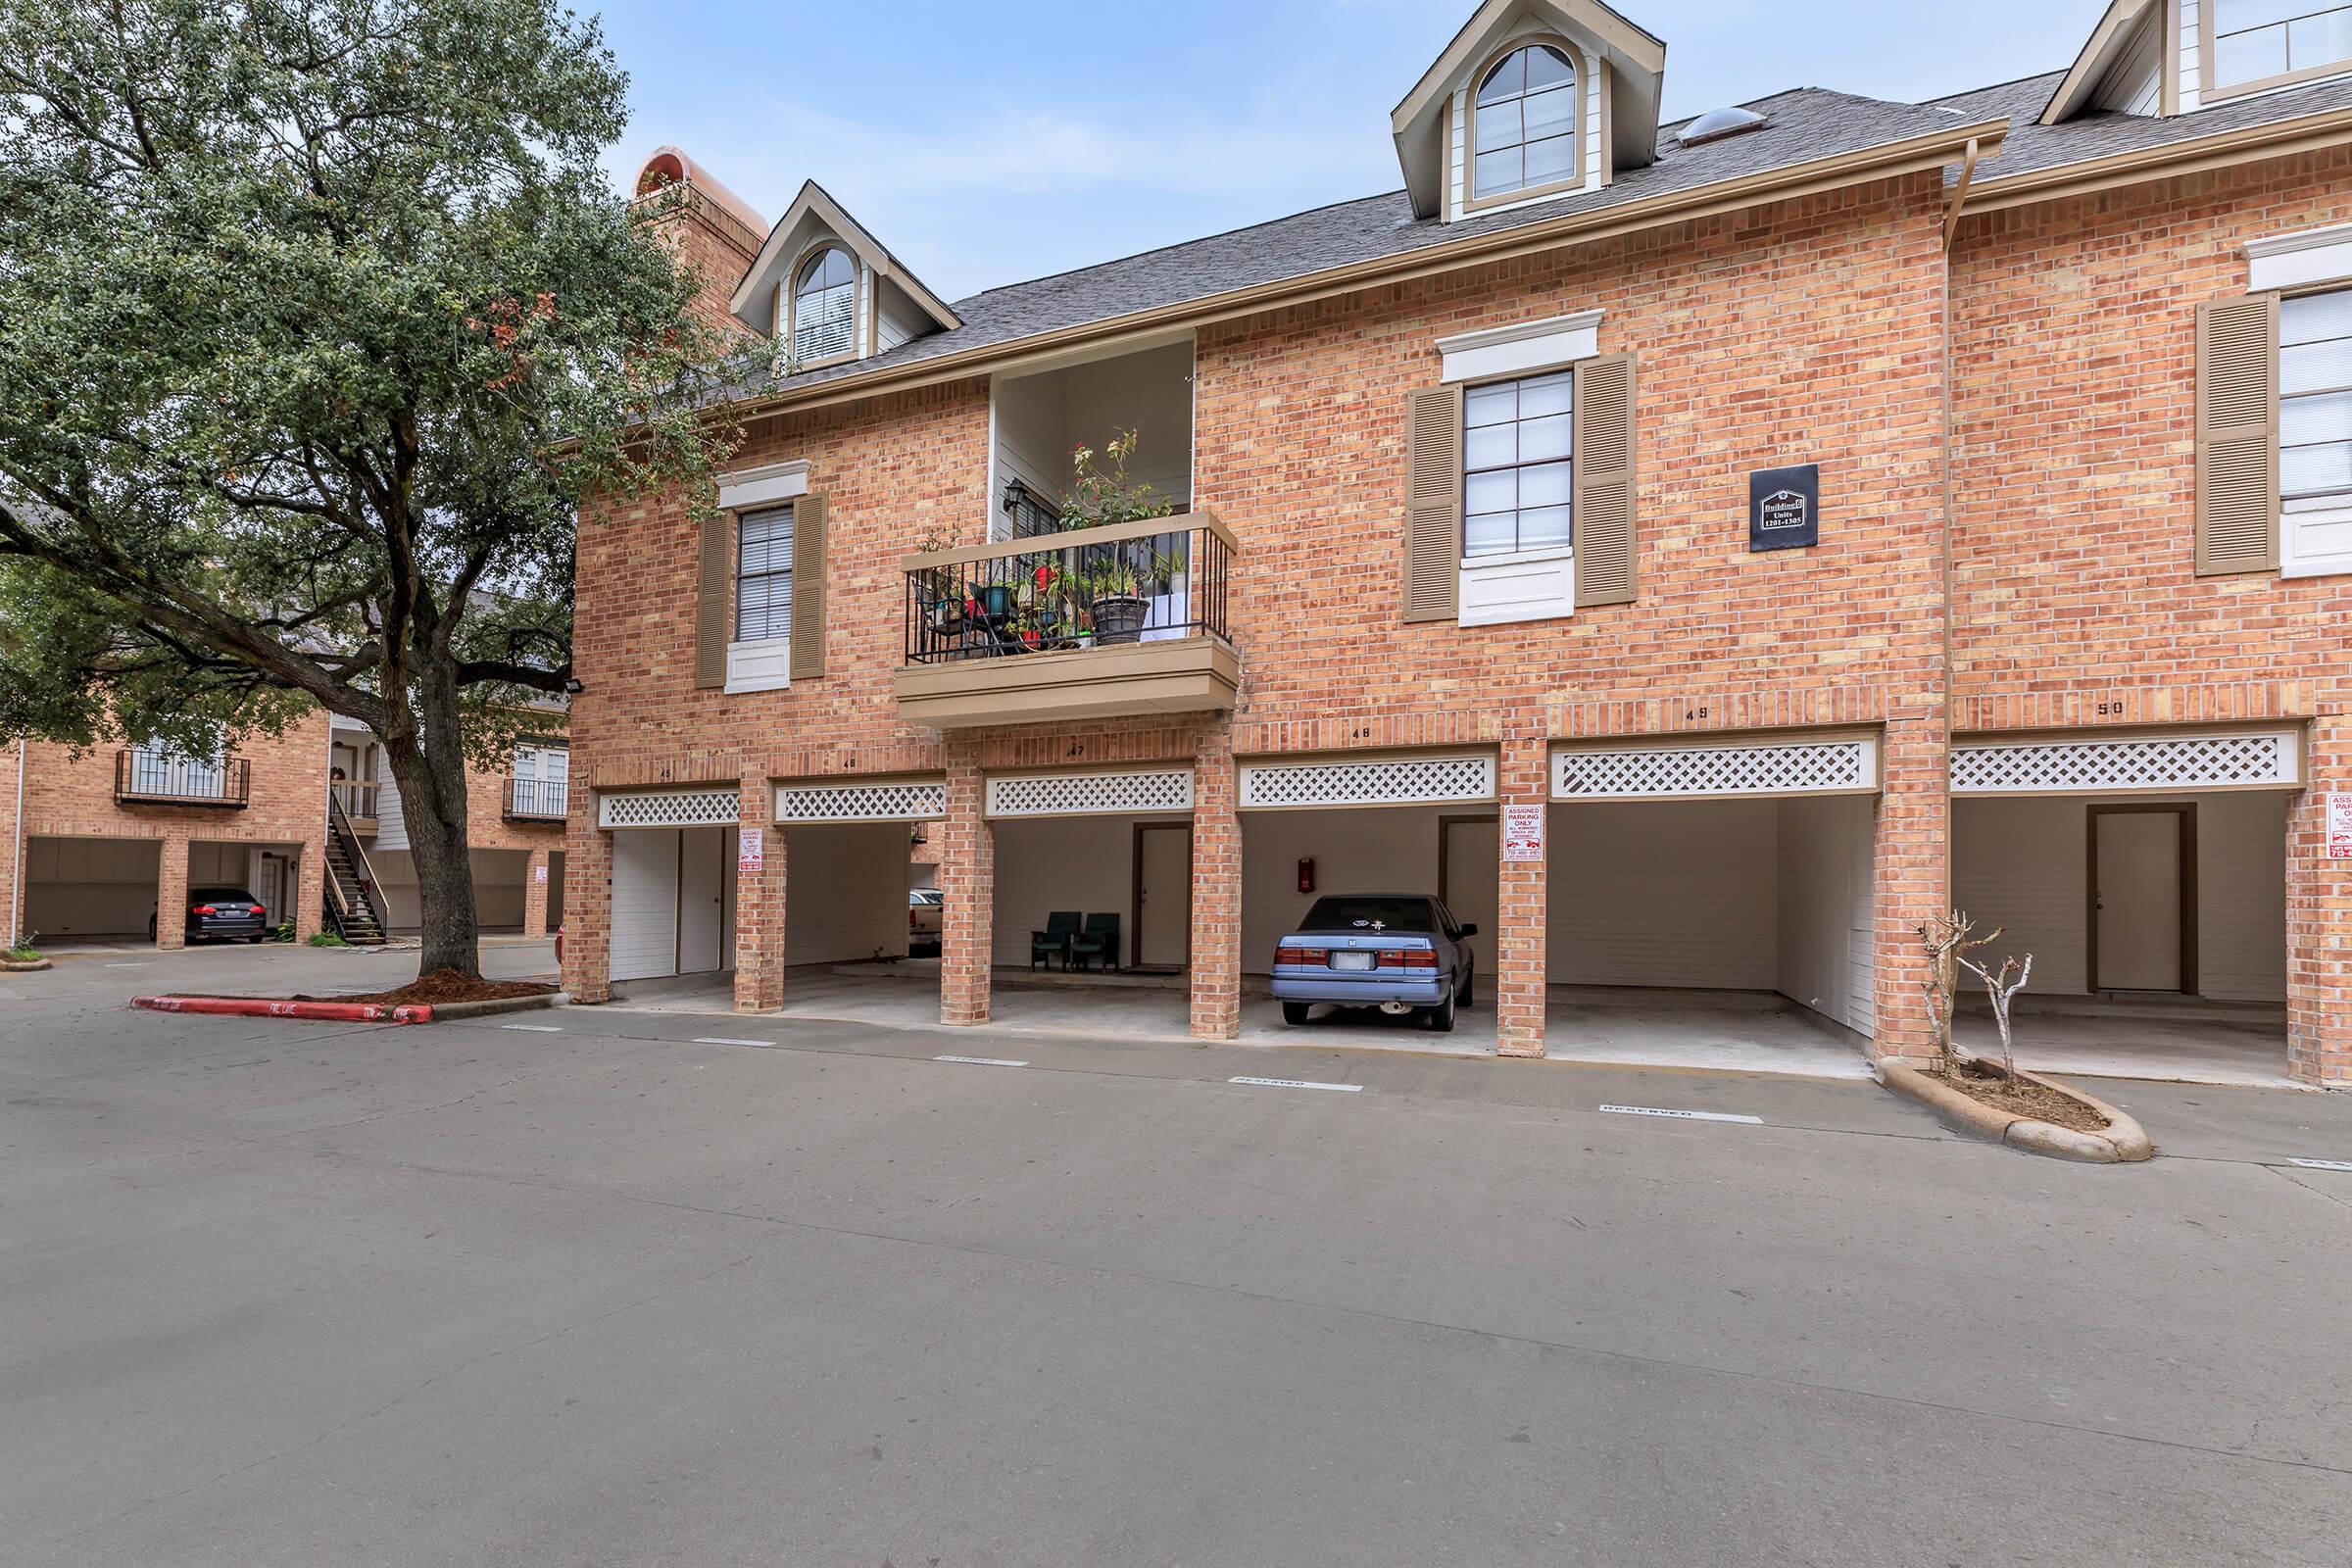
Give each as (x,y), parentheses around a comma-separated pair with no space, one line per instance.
(874,801)
(1427,780)
(2102,765)
(2307,256)
(1521,347)
(1090,794)
(719,807)
(1835,765)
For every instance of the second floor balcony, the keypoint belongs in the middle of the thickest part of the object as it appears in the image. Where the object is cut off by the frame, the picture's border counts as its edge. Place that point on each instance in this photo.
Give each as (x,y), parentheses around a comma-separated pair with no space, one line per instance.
(1091,623)
(358,799)
(536,800)
(145,777)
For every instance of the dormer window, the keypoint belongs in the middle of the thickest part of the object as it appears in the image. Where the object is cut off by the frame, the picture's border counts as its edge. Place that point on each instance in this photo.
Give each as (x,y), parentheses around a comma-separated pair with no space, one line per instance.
(1524,123)
(2254,44)
(824,307)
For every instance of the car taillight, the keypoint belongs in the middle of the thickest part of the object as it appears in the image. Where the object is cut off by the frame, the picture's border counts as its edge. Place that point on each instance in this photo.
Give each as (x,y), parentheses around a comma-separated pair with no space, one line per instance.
(1408,959)
(261,909)
(1299,955)
(204,909)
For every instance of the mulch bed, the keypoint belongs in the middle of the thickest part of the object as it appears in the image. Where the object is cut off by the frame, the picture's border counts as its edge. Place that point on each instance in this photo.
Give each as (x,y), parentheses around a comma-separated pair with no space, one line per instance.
(444,984)
(1986,1083)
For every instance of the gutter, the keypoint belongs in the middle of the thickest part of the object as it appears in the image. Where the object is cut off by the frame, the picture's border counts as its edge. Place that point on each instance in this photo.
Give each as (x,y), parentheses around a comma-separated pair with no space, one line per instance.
(1910,156)
(2279,139)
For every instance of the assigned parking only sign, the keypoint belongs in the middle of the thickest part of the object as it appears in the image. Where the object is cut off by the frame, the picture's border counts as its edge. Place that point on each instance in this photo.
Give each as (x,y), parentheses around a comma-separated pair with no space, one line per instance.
(2339,827)
(1522,834)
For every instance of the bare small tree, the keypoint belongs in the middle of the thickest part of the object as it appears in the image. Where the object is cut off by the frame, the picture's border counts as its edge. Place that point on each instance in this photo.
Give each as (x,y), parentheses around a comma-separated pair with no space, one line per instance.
(1948,939)
(2003,991)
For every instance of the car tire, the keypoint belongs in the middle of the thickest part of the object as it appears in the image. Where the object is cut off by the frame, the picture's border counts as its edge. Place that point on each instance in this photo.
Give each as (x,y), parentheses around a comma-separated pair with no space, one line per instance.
(1440,1018)
(1470,989)
(1294,1012)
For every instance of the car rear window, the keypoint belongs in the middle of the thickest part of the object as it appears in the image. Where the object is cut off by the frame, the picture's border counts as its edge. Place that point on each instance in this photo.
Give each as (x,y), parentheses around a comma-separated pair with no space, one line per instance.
(1370,911)
(220,896)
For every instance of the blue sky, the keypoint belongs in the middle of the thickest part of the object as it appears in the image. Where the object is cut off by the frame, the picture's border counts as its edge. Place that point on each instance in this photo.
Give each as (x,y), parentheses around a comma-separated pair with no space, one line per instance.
(987,144)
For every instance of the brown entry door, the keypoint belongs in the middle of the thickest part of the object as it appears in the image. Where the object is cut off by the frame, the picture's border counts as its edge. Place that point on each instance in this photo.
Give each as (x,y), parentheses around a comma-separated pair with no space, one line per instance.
(2142,871)
(1163,895)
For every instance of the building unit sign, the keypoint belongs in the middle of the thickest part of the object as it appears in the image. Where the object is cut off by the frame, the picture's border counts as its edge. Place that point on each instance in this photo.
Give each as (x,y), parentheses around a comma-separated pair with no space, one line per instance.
(1784,508)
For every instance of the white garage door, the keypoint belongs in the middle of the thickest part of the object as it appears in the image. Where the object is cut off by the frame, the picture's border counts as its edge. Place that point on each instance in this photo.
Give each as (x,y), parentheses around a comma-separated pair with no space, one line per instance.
(645,903)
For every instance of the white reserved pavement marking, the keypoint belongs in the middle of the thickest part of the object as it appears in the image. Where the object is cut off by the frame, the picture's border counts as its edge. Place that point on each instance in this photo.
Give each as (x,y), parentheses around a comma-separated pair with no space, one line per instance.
(982,1062)
(535,1028)
(721,1039)
(2323,1164)
(140,964)
(1682,1115)
(1297,1083)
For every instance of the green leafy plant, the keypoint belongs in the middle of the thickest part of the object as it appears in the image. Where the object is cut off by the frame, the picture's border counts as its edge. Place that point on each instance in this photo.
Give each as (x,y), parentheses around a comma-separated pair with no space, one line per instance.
(328,939)
(1101,495)
(285,930)
(25,952)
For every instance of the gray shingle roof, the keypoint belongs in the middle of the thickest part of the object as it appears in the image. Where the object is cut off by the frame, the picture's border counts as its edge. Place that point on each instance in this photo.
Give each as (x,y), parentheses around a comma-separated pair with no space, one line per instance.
(2032,146)
(1801,126)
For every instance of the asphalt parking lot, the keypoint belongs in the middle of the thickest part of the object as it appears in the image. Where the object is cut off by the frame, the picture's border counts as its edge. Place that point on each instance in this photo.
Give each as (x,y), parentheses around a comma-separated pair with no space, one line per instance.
(595,1286)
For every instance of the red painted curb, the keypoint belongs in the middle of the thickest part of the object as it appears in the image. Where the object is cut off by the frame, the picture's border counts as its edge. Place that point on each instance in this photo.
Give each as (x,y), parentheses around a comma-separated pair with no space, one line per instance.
(264,1007)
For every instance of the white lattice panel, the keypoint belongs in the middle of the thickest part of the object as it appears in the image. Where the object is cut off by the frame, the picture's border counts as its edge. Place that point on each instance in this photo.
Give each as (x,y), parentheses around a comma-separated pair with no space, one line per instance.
(861,802)
(1392,781)
(670,809)
(1090,794)
(1842,766)
(2087,765)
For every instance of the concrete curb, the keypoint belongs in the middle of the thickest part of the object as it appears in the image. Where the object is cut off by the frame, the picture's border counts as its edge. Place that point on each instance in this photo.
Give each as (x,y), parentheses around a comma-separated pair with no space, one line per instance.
(345,1011)
(18,966)
(2124,1142)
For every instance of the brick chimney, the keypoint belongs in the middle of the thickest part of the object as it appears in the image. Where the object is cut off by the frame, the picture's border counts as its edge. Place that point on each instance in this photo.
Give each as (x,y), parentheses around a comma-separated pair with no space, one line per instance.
(716,231)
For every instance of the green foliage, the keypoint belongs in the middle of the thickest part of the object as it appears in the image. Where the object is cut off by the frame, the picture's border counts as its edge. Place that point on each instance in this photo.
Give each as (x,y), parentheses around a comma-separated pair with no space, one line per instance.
(319,322)
(328,939)
(1098,496)
(25,950)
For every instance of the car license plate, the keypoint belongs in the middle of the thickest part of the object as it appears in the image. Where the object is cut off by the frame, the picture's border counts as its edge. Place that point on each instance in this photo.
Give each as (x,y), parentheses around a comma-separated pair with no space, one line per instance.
(1351,960)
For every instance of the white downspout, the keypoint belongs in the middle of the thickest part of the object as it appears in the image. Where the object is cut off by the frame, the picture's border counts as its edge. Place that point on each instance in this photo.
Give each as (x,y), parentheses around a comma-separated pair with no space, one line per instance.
(15,866)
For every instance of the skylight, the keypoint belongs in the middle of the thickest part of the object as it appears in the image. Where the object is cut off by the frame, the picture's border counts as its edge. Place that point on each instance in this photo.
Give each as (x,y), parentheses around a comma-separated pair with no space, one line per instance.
(1717,124)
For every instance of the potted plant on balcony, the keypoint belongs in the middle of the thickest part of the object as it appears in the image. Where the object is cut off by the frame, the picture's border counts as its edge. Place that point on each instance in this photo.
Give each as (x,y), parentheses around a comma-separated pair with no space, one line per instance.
(1099,495)
(1120,609)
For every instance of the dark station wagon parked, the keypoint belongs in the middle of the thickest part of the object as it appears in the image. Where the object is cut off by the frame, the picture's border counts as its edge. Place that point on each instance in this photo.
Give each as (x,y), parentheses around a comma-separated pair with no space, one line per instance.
(1398,952)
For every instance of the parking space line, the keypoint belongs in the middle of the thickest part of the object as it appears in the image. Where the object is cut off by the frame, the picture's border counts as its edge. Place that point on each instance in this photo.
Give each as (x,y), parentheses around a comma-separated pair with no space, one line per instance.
(135,963)
(1297,1083)
(721,1039)
(1682,1115)
(535,1028)
(2323,1164)
(982,1062)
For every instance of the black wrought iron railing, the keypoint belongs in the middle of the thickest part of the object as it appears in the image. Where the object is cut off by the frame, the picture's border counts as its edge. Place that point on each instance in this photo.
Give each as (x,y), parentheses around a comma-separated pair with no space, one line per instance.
(158,778)
(1131,582)
(537,800)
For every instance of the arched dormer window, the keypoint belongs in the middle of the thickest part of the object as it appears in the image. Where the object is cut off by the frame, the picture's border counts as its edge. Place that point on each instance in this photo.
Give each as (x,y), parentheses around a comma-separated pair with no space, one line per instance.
(824,305)
(1524,123)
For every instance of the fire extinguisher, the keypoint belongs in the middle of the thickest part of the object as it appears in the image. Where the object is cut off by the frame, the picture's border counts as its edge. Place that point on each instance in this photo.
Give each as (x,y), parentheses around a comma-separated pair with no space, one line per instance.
(1307,874)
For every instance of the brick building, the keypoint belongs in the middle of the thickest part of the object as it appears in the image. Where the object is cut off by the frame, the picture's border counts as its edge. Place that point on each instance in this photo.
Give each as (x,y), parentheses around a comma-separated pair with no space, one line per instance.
(1698,553)
(93,847)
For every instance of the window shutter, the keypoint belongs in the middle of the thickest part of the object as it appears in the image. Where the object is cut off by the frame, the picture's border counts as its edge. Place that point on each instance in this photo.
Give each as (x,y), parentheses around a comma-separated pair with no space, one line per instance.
(1604,481)
(714,601)
(809,587)
(1433,527)
(2238,434)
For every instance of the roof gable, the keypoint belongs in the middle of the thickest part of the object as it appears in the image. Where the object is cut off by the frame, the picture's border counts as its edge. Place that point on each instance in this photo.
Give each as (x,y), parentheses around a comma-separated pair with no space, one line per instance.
(1636,60)
(815,211)
(2110,42)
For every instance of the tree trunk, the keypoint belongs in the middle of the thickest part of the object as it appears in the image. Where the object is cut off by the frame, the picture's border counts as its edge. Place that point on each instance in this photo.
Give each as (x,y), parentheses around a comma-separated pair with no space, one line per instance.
(429,770)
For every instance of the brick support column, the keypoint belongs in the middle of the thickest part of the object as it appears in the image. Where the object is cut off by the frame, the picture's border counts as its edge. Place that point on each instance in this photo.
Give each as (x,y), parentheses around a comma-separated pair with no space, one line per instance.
(2319,917)
(759,902)
(172,892)
(1521,903)
(1910,855)
(534,895)
(1216,947)
(587,905)
(967,881)
(309,889)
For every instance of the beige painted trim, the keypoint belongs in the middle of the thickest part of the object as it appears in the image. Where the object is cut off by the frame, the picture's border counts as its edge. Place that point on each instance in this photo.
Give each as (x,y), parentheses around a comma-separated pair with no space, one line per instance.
(1472,200)
(788,302)
(1610,30)
(1959,201)
(2208,93)
(2249,144)
(860,243)
(1913,155)
(2170,73)
(1047,544)
(1181,675)
(2075,88)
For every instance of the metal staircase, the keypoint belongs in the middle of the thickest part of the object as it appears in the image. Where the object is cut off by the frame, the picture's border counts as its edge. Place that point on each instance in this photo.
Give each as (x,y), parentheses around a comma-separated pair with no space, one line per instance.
(355,910)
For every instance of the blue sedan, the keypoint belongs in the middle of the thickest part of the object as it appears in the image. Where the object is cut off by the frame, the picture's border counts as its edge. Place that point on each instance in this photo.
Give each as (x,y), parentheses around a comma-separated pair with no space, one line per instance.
(1398,952)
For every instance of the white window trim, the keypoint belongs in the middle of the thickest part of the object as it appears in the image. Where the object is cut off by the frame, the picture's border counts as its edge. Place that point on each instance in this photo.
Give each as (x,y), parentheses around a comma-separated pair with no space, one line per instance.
(2303,257)
(1479,572)
(1502,353)
(763,664)
(764,486)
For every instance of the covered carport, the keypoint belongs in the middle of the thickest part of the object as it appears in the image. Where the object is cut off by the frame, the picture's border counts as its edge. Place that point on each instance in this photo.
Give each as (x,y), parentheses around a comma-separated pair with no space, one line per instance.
(1414,822)
(90,889)
(1710,902)
(2146,874)
(673,888)
(847,876)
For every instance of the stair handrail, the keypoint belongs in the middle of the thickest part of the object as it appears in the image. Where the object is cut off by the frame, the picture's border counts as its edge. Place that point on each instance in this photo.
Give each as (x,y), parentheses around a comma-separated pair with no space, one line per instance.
(339,825)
